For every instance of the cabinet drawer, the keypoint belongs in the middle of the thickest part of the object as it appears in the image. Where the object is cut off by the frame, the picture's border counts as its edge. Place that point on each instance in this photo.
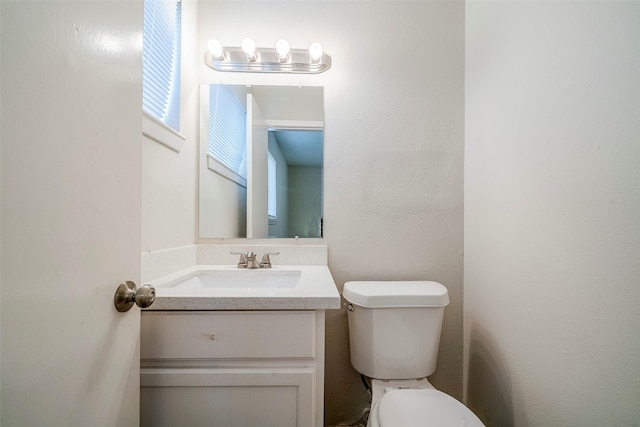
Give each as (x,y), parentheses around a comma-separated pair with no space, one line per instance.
(228,335)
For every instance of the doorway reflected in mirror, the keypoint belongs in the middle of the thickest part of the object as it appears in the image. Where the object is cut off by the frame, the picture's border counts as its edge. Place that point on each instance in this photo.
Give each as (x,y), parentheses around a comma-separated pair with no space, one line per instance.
(272,187)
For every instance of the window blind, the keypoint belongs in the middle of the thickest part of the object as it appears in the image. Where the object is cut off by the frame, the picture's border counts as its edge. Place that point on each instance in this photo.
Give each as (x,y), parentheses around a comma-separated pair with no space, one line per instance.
(227,129)
(161,61)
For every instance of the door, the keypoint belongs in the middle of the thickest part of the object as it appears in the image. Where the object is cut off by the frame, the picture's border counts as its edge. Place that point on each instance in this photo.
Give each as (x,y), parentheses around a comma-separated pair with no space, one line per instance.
(257,188)
(71,133)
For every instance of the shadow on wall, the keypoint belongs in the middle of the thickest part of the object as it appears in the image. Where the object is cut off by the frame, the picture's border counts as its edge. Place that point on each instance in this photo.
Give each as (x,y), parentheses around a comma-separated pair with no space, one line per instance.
(489,391)
(346,407)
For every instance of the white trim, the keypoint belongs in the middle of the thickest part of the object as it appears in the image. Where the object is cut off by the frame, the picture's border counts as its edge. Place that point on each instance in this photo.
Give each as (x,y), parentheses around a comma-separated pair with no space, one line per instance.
(272,189)
(161,133)
(295,124)
(214,165)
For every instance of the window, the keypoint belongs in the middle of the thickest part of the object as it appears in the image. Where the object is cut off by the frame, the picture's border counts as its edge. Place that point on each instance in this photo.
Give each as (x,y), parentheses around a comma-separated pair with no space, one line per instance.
(227,134)
(161,65)
(272,190)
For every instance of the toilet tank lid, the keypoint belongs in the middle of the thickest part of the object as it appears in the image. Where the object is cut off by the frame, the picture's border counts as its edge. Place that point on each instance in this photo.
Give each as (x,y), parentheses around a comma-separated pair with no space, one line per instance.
(387,294)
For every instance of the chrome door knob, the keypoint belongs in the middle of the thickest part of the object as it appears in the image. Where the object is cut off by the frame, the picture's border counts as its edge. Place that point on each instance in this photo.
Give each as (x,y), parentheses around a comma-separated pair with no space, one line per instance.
(127,295)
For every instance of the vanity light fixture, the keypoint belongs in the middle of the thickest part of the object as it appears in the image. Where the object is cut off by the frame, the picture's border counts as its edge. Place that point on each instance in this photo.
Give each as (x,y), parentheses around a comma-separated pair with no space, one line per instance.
(315,52)
(282,59)
(249,48)
(282,47)
(216,49)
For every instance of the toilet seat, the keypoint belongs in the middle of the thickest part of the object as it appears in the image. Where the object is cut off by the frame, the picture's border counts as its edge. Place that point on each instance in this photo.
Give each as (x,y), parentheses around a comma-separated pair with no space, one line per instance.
(423,408)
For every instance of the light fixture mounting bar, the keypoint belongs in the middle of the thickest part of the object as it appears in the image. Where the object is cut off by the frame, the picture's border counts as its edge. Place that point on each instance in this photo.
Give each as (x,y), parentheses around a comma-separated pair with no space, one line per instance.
(267,61)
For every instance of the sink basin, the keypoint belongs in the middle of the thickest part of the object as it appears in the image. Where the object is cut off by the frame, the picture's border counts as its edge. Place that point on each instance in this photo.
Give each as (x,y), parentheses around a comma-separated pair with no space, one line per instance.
(241,278)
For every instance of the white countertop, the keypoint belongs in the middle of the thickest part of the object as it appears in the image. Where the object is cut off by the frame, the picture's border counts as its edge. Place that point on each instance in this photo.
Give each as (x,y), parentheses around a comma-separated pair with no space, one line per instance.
(316,290)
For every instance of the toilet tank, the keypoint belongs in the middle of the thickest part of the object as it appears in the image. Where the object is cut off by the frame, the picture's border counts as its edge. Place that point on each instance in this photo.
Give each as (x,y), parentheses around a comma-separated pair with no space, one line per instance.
(394,327)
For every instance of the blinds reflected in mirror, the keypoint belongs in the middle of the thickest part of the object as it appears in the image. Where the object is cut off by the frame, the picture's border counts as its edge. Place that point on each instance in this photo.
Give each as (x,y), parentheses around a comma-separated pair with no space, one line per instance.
(227,130)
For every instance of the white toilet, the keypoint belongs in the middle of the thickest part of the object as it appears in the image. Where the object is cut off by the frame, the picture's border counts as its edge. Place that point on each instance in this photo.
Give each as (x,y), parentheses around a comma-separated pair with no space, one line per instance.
(394,333)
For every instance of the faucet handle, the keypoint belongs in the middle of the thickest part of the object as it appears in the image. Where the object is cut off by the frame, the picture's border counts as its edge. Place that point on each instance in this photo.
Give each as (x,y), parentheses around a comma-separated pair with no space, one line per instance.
(242,263)
(266,261)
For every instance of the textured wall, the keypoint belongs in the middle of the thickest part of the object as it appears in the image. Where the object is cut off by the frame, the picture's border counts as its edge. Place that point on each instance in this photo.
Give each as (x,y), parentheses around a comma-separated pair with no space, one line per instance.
(552,201)
(394,124)
(169,184)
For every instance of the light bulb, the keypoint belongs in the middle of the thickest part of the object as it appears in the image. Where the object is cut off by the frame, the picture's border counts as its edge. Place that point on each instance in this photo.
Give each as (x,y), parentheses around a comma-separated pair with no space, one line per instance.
(249,47)
(215,48)
(315,51)
(282,47)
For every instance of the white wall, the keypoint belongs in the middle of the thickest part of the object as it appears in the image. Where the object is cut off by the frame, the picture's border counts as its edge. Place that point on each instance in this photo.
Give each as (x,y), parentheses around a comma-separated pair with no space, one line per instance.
(257,160)
(169,178)
(305,201)
(282,184)
(228,219)
(0,241)
(552,201)
(393,149)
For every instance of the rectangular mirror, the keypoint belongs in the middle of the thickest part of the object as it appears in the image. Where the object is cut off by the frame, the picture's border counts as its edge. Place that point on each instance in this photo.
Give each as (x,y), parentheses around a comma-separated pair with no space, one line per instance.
(260,161)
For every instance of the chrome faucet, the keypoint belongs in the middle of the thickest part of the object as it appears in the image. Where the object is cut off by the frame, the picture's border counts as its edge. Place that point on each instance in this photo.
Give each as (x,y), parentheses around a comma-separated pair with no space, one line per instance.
(248,260)
(252,262)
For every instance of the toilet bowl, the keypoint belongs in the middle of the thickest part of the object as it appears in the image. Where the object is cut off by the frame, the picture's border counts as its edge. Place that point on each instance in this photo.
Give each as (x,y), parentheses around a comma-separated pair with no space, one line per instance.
(416,403)
(394,335)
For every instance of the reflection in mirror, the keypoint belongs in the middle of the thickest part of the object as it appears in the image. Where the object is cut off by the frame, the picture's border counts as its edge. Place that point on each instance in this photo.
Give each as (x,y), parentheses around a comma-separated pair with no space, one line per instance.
(260,163)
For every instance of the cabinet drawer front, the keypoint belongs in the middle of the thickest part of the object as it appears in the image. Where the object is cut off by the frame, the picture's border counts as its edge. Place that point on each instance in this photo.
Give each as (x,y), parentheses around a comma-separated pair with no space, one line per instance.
(227,397)
(228,335)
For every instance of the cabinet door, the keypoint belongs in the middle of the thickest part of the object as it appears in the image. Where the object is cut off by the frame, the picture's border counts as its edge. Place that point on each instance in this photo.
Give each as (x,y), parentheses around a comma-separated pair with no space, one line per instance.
(227,397)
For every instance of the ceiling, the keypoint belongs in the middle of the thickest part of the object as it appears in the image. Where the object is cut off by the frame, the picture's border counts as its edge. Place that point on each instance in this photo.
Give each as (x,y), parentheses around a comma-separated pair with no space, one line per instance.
(301,147)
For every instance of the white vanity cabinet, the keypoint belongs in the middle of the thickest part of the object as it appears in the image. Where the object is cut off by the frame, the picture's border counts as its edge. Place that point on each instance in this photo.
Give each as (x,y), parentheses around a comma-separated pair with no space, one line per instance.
(232,368)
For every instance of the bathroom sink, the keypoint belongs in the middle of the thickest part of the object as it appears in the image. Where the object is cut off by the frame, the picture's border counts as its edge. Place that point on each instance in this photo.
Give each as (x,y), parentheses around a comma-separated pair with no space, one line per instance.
(239,278)
(224,287)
